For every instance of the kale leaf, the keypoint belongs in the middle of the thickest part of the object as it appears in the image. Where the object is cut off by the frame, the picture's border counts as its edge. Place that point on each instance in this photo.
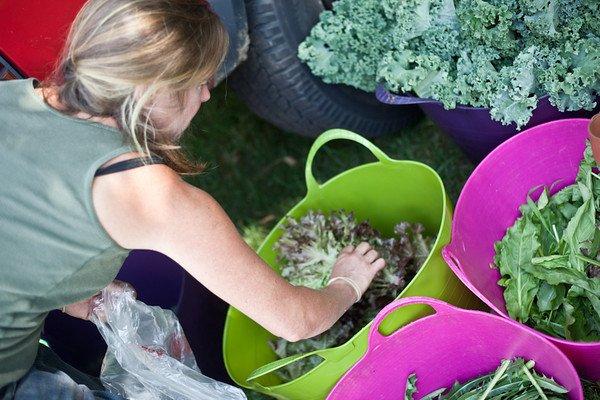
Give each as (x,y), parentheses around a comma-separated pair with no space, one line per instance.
(499,54)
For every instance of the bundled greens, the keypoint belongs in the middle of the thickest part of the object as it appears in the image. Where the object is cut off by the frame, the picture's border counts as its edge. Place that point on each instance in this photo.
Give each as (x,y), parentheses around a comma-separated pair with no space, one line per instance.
(499,54)
(307,251)
(514,379)
(549,259)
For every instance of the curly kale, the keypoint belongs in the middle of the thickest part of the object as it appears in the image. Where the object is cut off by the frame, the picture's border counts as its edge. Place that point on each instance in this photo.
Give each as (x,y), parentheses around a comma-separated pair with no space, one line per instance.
(499,54)
(307,251)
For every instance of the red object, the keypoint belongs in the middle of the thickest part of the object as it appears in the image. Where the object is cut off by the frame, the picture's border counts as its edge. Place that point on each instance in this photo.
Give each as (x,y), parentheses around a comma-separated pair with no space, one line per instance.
(32,33)
(594,130)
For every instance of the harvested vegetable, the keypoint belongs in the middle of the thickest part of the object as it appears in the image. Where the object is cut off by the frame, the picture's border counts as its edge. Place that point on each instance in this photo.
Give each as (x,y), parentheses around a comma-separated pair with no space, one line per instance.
(307,251)
(499,54)
(514,379)
(549,259)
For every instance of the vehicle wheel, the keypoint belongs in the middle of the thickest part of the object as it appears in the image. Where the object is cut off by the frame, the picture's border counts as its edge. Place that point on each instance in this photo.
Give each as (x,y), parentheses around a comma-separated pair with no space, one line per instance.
(278,87)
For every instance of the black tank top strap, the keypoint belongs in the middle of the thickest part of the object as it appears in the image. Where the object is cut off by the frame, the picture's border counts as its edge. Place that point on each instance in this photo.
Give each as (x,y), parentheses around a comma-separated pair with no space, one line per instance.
(129,164)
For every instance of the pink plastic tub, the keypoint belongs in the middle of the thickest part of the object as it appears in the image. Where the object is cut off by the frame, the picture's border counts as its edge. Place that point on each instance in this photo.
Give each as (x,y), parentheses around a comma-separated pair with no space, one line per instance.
(488,206)
(452,344)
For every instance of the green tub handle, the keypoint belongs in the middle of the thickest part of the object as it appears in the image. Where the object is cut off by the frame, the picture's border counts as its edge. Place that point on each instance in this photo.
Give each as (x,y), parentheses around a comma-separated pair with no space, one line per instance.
(335,134)
(331,354)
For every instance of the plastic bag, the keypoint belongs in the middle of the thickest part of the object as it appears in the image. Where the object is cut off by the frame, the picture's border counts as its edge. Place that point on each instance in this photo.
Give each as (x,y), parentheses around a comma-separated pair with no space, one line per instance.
(148,356)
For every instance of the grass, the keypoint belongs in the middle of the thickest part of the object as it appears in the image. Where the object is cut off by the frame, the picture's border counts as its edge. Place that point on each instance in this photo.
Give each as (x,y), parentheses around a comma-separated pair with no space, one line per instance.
(256,171)
(592,390)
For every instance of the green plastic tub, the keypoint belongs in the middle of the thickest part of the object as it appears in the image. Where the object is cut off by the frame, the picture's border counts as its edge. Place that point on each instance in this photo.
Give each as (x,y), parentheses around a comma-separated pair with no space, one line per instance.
(384,192)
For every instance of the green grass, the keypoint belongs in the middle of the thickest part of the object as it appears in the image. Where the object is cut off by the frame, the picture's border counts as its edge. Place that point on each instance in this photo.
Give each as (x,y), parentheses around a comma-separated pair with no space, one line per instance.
(592,390)
(256,171)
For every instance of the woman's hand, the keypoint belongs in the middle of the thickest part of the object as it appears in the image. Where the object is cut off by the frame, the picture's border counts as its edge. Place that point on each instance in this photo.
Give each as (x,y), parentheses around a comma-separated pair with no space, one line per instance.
(83,309)
(359,264)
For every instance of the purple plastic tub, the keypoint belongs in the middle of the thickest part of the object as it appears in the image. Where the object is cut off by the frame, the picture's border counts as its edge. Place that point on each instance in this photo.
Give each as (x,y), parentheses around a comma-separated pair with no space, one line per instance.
(472,128)
(488,205)
(452,344)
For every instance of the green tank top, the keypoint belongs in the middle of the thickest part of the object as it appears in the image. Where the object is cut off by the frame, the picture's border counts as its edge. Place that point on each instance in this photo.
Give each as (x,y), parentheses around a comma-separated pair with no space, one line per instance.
(53,250)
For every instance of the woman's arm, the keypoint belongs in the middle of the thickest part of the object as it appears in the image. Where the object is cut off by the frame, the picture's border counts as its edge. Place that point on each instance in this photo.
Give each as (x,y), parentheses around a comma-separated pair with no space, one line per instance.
(152,208)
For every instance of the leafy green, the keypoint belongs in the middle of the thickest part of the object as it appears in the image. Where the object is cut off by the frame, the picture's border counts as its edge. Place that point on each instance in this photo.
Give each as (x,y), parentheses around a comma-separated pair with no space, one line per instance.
(411,387)
(549,259)
(307,251)
(516,252)
(499,54)
(513,379)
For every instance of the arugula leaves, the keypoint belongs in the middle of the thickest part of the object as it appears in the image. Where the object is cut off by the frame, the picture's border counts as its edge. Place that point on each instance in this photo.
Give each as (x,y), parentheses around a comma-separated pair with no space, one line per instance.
(550,257)
(411,387)
(516,251)
(513,379)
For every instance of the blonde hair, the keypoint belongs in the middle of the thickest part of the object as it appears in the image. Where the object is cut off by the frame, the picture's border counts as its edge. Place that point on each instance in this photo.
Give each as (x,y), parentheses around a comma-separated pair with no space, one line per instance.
(121,53)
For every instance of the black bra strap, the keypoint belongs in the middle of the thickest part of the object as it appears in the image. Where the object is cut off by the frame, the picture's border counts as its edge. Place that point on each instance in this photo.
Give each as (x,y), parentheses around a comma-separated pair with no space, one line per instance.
(129,164)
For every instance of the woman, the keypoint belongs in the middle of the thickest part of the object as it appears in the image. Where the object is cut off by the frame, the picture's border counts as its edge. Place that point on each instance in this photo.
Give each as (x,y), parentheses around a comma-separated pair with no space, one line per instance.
(90,168)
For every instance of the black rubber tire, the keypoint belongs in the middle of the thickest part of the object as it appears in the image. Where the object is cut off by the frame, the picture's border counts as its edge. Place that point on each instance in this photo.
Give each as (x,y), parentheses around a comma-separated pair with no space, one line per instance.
(279,88)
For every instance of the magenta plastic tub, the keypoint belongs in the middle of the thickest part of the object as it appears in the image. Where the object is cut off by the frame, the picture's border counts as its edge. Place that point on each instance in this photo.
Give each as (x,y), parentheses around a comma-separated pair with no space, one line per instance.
(488,205)
(452,344)
(472,128)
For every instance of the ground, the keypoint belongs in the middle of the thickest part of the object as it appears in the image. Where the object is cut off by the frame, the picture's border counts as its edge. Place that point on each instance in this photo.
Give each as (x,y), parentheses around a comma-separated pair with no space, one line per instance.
(256,171)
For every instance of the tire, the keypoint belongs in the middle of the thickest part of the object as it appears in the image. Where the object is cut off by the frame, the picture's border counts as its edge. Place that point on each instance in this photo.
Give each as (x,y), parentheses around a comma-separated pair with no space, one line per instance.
(279,88)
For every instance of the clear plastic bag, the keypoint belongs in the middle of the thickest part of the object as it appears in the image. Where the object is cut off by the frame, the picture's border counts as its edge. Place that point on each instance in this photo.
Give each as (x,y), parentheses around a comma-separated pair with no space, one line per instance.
(148,356)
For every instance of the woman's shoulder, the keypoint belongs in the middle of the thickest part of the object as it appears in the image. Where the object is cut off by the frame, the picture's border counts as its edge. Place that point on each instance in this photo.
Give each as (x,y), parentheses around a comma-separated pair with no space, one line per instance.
(13,84)
(132,205)
(15,92)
